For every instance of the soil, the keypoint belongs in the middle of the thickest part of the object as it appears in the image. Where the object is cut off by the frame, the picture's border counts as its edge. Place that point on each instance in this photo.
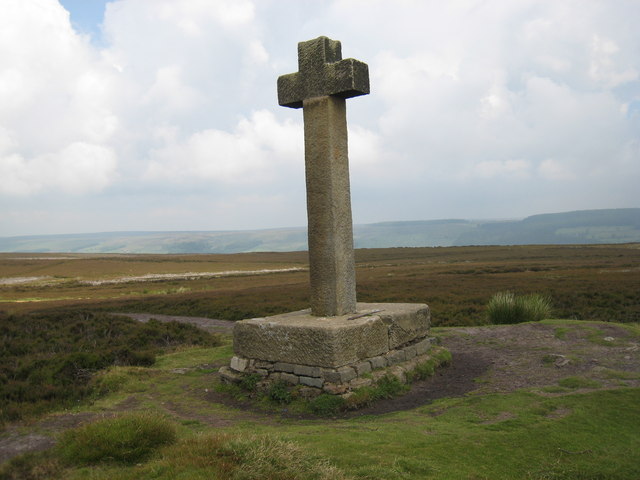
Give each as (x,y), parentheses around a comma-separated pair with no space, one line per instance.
(491,359)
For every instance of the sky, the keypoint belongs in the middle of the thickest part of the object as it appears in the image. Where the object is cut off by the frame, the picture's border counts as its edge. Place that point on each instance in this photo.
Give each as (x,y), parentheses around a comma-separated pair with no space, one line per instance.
(160,115)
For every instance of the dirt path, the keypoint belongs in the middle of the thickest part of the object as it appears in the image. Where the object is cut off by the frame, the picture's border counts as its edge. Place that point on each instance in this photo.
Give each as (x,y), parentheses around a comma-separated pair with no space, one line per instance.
(497,359)
(208,324)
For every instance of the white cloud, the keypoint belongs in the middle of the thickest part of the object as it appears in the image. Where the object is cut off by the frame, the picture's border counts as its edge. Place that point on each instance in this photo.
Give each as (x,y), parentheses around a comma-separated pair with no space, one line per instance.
(252,153)
(78,168)
(472,102)
(55,94)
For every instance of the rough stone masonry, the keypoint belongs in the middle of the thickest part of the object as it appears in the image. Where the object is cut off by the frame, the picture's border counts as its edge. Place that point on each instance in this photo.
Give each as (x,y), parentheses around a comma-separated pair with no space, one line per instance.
(338,345)
(320,87)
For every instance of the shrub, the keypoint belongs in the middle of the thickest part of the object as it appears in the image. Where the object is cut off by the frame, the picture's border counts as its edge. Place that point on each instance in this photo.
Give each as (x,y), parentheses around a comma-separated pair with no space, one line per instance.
(325,404)
(126,439)
(279,392)
(47,360)
(389,386)
(506,307)
(250,382)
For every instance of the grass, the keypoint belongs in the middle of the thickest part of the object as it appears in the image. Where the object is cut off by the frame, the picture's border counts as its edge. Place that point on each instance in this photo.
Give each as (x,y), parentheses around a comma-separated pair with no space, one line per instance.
(578,382)
(589,282)
(127,439)
(582,431)
(281,394)
(518,435)
(507,308)
(52,361)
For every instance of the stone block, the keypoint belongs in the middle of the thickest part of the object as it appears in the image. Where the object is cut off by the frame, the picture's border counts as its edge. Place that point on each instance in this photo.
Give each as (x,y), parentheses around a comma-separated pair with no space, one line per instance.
(335,388)
(395,357)
(378,362)
(360,382)
(263,372)
(303,339)
(290,378)
(398,372)
(410,352)
(229,376)
(306,370)
(362,367)
(283,367)
(263,365)
(423,346)
(405,321)
(340,375)
(311,381)
(378,374)
(239,364)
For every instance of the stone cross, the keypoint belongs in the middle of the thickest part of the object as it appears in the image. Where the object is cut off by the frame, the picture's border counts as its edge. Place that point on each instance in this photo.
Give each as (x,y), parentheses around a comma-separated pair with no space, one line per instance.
(320,87)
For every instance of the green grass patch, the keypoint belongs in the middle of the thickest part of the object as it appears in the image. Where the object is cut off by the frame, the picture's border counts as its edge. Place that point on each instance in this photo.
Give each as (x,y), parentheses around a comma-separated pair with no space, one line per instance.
(619,374)
(578,382)
(127,439)
(561,333)
(508,308)
(50,360)
(241,456)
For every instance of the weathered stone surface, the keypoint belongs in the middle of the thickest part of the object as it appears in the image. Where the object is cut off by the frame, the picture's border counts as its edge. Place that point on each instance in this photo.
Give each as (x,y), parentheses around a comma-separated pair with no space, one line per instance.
(335,388)
(378,362)
(406,321)
(320,86)
(360,382)
(330,232)
(303,339)
(322,71)
(423,346)
(395,357)
(340,375)
(239,364)
(229,376)
(290,378)
(263,365)
(362,367)
(306,371)
(311,381)
(283,367)
(410,352)
(398,372)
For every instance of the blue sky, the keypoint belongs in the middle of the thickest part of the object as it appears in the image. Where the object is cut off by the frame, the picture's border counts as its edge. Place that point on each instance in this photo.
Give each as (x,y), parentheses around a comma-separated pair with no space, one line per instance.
(162,114)
(86,16)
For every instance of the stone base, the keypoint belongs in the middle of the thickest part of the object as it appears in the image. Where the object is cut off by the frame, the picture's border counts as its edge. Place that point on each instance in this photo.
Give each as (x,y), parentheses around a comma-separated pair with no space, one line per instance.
(330,353)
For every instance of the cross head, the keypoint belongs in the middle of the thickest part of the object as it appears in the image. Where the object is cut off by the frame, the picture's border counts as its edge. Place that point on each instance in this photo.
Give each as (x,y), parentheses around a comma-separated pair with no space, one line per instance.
(321,72)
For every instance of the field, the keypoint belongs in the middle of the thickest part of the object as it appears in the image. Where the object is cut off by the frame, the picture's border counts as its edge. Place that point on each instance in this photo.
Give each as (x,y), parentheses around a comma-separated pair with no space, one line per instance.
(583,282)
(557,399)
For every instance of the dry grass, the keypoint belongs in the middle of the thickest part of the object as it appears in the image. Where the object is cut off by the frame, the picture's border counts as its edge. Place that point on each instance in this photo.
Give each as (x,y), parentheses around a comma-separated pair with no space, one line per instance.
(590,282)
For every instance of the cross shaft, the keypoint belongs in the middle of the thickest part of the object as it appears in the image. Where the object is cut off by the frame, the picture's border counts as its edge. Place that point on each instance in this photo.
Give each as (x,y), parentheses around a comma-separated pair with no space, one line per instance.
(321,86)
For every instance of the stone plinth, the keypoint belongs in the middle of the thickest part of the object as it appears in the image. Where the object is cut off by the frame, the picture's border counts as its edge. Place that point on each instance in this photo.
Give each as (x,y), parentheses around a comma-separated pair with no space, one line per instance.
(326,352)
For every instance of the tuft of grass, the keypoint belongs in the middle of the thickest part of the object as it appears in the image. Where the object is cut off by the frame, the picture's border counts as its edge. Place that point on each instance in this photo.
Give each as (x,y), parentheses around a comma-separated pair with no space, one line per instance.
(250,382)
(31,466)
(326,405)
(507,308)
(125,439)
(280,393)
(229,457)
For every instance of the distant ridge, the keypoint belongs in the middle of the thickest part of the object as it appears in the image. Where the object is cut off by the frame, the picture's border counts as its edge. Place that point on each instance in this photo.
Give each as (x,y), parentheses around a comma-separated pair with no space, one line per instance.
(620,225)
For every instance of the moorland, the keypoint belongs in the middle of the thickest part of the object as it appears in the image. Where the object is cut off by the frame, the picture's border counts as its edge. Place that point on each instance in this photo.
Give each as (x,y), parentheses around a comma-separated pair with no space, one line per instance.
(554,399)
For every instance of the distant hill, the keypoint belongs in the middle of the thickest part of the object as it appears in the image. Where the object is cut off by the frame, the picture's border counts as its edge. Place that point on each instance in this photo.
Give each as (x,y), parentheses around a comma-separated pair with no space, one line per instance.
(585,226)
